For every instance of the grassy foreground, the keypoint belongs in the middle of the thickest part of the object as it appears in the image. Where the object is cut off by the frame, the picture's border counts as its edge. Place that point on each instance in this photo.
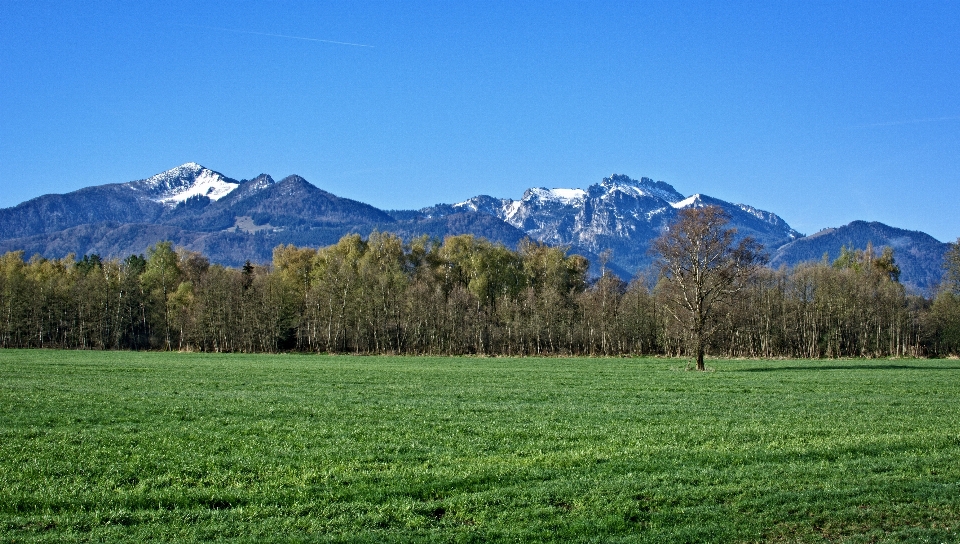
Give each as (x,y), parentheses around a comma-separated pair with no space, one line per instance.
(115,446)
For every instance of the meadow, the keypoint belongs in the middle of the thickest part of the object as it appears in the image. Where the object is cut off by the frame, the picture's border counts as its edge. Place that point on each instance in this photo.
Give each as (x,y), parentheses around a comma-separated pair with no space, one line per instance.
(123,446)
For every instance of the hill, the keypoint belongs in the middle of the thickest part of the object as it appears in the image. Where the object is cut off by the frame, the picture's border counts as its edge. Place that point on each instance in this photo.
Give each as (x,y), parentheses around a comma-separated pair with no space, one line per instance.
(918,254)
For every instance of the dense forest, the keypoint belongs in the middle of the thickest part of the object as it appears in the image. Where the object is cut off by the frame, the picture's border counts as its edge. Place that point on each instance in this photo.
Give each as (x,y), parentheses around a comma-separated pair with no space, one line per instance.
(462,295)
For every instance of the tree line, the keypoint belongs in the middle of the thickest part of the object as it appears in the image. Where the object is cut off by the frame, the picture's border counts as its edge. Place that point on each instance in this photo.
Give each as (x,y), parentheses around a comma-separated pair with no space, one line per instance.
(462,295)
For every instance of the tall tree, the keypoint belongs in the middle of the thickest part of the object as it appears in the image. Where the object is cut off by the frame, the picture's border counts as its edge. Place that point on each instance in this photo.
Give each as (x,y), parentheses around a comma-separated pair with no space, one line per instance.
(14,300)
(703,266)
(951,263)
(946,307)
(161,278)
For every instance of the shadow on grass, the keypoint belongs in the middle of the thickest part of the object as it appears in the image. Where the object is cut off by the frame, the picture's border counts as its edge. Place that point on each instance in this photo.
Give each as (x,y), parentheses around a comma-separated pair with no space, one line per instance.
(845,367)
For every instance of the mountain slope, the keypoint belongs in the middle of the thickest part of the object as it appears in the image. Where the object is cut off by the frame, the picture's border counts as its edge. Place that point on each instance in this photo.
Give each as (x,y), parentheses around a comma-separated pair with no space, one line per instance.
(263,204)
(143,201)
(294,201)
(918,254)
(53,213)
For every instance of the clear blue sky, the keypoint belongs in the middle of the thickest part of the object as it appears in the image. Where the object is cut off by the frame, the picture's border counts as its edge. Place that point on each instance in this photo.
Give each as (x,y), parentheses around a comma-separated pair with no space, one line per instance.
(820,112)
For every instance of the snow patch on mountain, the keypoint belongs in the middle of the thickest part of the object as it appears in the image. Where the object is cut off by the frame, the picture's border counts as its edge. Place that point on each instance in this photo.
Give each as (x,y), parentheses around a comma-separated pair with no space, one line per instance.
(567,196)
(185,181)
(562,196)
(759,214)
(510,209)
(259,183)
(470,205)
(649,216)
(207,184)
(690,201)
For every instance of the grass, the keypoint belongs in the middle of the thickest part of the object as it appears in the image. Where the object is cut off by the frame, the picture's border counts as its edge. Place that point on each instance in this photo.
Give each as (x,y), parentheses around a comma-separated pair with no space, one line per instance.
(119,446)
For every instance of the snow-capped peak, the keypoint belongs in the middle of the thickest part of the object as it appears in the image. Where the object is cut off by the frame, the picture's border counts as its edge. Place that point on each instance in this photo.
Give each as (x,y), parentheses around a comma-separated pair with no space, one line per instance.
(185,181)
(644,187)
(692,201)
(563,196)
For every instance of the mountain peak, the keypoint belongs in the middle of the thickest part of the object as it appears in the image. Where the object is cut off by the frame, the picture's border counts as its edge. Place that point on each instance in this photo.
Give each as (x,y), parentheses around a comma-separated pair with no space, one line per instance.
(185,181)
(294,178)
(692,201)
(642,187)
(620,179)
(184,170)
(563,196)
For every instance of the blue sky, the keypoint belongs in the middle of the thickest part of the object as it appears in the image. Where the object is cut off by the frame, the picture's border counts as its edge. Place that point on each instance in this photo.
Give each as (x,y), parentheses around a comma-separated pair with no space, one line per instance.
(822,112)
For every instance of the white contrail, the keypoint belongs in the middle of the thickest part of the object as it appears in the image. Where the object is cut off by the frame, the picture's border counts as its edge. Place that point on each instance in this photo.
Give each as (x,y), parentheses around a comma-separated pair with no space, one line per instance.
(280,36)
(909,122)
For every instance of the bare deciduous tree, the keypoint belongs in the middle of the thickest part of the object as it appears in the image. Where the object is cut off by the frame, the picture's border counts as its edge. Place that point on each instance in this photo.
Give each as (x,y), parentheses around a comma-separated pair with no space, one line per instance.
(703,266)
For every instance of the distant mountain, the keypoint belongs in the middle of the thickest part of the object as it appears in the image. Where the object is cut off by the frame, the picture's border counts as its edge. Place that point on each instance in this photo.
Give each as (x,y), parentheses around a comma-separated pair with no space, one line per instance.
(228,220)
(232,221)
(53,213)
(619,213)
(143,201)
(918,254)
(262,204)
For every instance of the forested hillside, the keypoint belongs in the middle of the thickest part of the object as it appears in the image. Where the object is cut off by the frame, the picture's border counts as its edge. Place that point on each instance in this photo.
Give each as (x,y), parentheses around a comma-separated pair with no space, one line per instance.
(463,295)
(918,254)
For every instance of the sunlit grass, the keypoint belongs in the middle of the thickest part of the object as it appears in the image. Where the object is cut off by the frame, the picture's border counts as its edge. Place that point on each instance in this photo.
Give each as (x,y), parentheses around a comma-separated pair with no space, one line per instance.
(138,446)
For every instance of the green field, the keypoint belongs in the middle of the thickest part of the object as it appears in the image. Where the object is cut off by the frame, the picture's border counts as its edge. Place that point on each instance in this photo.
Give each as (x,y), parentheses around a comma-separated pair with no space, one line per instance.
(120,446)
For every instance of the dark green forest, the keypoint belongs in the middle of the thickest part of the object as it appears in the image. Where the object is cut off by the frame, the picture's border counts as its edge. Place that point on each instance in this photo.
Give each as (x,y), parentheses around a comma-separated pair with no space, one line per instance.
(462,295)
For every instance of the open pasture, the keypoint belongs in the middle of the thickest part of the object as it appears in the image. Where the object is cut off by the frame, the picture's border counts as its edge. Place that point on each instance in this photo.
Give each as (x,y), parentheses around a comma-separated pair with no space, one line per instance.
(120,446)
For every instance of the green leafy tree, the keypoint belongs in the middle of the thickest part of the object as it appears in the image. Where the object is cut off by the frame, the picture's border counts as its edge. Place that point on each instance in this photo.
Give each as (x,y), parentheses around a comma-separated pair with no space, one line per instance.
(293,268)
(550,301)
(133,327)
(383,282)
(335,295)
(868,261)
(161,278)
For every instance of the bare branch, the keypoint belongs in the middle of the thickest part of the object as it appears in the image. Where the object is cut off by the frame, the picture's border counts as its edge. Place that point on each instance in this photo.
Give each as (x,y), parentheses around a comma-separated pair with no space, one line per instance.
(703,267)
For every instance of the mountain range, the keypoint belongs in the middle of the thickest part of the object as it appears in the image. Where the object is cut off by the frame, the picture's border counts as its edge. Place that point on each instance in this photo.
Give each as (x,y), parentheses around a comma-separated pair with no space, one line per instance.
(232,221)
